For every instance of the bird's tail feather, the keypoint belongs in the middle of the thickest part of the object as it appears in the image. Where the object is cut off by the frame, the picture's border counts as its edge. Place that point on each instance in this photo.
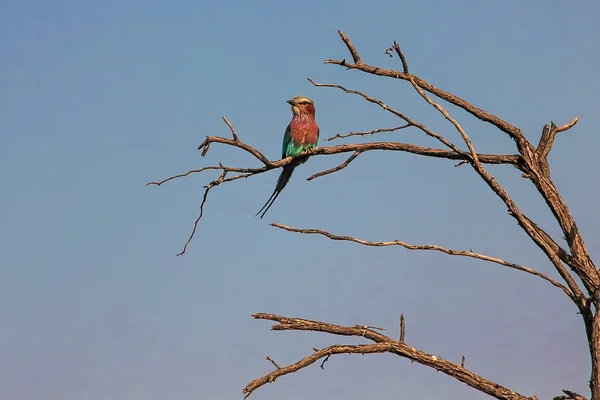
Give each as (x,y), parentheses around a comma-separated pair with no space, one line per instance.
(283,180)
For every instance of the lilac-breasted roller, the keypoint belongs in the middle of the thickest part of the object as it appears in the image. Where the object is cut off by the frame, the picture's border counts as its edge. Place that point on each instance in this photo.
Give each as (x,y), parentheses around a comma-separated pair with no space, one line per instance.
(302,133)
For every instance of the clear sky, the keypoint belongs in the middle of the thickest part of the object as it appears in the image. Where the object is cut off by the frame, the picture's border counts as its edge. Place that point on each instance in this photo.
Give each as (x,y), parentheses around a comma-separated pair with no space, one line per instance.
(98,98)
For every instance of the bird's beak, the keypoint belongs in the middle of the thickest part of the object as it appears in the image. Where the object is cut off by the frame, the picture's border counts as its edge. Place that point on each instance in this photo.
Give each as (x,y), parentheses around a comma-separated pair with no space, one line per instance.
(291,102)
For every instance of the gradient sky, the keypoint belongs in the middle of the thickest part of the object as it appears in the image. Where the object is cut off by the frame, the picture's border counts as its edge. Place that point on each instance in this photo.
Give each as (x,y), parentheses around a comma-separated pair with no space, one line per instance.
(98,98)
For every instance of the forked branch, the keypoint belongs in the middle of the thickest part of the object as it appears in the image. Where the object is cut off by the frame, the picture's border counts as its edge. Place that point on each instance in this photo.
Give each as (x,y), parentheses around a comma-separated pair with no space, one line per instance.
(549,133)
(504,126)
(534,165)
(356,149)
(408,120)
(380,344)
(544,241)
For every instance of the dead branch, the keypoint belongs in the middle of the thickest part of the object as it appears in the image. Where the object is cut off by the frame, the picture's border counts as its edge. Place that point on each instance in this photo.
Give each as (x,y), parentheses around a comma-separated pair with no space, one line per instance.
(538,171)
(544,242)
(504,126)
(402,328)
(223,168)
(569,395)
(356,149)
(549,133)
(373,132)
(235,136)
(428,247)
(582,263)
(350,47)
(316,356)
(335,169)
(381,344)
(273,362)
(207,188)
(408,120)
(441,109)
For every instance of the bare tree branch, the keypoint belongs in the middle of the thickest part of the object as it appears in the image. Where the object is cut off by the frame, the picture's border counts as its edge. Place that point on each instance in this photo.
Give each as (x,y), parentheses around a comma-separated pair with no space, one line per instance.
(504,126)
(403,330)
(538,171)
(373,132)
(549,134)
(429,247)
(311,359)
(582,263)
(356,149)
(335,169)
(382,344)
(207,188)
(408,120)
(249,171)
(273,362)
(441,109)
(569,395)
(497,159)
(204,146)
(543,241)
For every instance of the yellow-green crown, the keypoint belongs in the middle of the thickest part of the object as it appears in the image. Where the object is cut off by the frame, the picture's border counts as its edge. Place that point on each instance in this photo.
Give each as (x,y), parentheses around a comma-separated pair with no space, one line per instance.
(300,99)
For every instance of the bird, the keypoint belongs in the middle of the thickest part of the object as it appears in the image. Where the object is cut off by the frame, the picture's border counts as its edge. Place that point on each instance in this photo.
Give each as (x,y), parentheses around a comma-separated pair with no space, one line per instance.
(301,134)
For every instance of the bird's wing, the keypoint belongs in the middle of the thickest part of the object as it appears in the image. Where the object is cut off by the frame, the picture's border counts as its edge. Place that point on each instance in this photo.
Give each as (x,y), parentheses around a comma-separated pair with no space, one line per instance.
(286,142)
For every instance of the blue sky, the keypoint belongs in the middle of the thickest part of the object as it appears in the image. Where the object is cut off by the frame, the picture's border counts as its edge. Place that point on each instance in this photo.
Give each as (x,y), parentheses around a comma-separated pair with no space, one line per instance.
(98,98)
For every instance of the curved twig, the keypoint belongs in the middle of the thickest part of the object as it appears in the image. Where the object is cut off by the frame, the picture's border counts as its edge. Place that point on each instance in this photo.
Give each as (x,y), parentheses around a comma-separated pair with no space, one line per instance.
(429,247)
(335,169)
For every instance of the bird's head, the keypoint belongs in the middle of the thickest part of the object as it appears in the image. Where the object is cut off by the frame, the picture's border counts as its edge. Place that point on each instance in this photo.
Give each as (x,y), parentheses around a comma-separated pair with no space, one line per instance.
(302,105)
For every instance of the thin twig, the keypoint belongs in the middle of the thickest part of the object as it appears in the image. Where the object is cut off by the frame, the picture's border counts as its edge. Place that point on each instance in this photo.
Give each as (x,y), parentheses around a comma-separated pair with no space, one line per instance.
(235,136)
(335,169)
(569,395)
(402,328)
(247,171)
(373,132)
(207,189)
(525,148)
(350,47)
(427,247)
(236,143)
(273,362)
(454,122)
